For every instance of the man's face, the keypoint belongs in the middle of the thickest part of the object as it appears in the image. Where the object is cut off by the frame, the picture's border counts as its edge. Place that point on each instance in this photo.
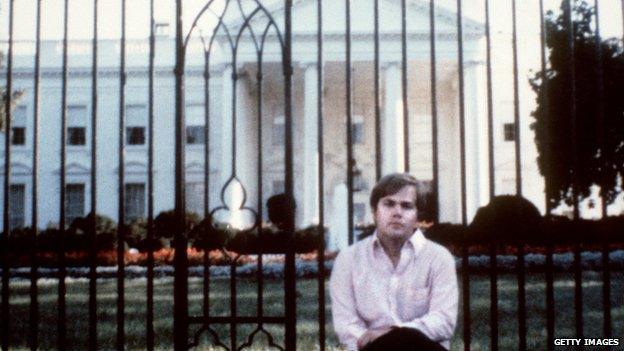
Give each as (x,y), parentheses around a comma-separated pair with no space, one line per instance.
(395,215)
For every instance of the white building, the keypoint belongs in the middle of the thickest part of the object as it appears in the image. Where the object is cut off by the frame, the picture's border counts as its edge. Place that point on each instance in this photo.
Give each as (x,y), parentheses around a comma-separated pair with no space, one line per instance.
(79,111)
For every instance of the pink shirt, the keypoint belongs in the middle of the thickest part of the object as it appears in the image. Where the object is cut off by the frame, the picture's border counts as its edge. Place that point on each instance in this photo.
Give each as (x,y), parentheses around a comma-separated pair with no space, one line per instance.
(368,292)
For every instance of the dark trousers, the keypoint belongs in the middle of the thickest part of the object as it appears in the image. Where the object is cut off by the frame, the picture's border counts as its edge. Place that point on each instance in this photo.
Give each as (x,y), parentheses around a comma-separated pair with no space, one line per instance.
(403,339)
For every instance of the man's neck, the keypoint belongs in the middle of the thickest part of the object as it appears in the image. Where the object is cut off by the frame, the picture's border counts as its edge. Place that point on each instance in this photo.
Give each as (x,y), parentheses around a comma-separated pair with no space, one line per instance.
(392,248)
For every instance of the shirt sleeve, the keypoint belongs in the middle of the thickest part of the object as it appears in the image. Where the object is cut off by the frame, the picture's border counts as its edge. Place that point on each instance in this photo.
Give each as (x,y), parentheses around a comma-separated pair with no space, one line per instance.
(438,324)
(347,323)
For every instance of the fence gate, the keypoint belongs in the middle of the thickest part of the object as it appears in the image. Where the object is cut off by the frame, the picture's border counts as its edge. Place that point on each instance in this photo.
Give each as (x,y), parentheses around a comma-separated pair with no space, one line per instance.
(241,28)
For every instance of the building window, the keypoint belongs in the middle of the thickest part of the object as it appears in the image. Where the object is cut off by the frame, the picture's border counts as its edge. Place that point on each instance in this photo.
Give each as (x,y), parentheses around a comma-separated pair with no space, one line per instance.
(195,135)
(18,126)
(134,201)
(195,197)
(77,125)
(74,202)
(16,210)
(76,136)
(359,212)
(135,124)
(278,187)
(18,136)
(135,136)
(509,130)
(195,118)
(357,130)
(279,134)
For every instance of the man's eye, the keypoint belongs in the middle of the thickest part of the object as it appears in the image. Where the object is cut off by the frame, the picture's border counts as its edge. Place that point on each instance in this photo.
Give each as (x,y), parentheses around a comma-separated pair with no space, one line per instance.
(408,206)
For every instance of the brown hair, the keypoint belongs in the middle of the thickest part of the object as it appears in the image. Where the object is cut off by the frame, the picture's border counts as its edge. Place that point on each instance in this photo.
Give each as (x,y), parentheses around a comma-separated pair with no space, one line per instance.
(391,184)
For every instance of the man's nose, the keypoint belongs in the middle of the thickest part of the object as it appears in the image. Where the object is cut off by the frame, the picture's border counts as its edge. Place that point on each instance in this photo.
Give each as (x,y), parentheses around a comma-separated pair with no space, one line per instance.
(397,211)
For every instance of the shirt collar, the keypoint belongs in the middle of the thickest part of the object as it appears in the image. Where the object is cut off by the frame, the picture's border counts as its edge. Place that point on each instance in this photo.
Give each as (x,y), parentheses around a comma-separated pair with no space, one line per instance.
(417,241)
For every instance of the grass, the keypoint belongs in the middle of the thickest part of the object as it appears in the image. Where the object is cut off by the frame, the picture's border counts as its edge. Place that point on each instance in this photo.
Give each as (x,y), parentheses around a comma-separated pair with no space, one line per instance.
(307,310)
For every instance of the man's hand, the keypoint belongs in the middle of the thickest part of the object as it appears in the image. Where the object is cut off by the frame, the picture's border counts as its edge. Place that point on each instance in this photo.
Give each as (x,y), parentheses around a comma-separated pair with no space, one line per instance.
(370,336)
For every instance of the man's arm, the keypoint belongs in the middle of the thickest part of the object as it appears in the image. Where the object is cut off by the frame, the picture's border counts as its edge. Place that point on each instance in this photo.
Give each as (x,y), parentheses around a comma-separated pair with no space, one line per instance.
(347,323)
(438,324)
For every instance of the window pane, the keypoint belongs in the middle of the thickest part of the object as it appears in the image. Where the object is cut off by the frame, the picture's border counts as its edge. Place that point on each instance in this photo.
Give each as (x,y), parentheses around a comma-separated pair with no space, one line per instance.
(134,201)
(76,136)
(357,133)
(74,202)
(18,136)
(17,201)
(135,135)
(195,135)
(510,131)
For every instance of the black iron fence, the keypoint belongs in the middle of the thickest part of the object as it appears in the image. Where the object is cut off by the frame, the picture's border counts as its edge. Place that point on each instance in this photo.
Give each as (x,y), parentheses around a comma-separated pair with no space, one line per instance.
(261,54)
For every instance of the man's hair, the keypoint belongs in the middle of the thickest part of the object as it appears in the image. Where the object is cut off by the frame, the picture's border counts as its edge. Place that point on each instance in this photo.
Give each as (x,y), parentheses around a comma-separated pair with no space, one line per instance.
(391,184)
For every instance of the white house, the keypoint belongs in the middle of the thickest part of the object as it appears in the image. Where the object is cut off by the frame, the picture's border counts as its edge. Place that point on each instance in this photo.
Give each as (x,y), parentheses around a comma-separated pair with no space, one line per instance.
(305,98)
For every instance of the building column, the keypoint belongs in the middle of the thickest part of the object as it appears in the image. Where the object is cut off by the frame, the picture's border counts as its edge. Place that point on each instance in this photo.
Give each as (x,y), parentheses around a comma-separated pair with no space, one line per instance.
(247,136)
(477,182)
(225,136)
(392,122)
(309,200)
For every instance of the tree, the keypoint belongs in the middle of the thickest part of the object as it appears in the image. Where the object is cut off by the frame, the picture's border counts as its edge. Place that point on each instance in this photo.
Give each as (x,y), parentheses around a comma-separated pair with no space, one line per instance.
(599,143)
(15,98)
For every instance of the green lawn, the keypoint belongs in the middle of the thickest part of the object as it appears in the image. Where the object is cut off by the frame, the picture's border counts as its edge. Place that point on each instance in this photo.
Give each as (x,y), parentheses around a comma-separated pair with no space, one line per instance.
(307,329)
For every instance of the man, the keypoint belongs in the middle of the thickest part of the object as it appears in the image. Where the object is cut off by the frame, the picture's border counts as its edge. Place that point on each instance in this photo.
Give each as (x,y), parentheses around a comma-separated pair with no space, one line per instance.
(394,290)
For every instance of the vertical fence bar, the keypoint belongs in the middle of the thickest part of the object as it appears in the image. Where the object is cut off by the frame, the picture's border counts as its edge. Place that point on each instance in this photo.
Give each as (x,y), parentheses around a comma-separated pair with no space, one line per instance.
(34,293)
(93,220)
(466,293)
(462,137)
(121,205)
(321,171)
(518,165)
(289,269)
(462,113)
(406,165)
(349,112)
(514,44)
(377,92)
(520,266)
(149,320)
(492,185)
(62,327)
(578,288)
(606,273)
(180,288)
(206,283)
(260,276)
(434,110)
(233,310)
(7,191)
(550,295)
